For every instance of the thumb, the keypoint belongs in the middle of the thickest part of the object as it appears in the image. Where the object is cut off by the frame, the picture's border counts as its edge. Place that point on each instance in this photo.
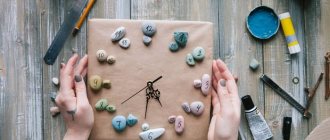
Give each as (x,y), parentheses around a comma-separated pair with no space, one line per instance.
(80,89)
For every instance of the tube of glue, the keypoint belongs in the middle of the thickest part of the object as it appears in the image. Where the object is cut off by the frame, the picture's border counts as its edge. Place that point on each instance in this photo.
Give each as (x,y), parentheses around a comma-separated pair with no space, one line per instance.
(289,33)
(257,123)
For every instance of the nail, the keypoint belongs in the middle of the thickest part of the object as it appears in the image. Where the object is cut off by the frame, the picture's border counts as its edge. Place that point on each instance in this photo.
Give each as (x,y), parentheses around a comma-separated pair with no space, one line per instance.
(77,78)
(62,65)
(223,82)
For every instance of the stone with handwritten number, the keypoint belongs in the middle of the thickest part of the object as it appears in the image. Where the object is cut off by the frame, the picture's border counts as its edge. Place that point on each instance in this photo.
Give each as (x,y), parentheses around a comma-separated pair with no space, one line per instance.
(111,59)
(118,34)
(95,82)
(173,47)
(131,120)
(190,60)
(197,108)
(181,38)
(111,108)
(185,107)
(149,28)
(171,119)
(124,43)
(101,55)
(101,104)
(198,53)
(179,124)
(206,84)
(146,40)
(152,134)
(119,123)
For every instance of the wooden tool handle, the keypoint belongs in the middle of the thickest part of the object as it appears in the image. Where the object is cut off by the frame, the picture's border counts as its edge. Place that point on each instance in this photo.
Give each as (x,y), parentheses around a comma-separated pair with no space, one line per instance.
(84,14)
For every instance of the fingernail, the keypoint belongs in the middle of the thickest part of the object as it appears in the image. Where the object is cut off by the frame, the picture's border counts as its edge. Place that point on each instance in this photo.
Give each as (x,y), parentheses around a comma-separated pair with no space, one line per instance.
(77,78)
(223,82)
(62,65)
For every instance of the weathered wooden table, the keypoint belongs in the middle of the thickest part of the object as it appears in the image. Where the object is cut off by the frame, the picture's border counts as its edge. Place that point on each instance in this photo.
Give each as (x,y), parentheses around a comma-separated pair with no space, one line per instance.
(28,27)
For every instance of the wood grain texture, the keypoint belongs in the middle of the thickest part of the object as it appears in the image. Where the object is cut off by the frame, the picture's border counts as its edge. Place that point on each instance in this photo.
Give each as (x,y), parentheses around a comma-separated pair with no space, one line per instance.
(28,27)
(282,67)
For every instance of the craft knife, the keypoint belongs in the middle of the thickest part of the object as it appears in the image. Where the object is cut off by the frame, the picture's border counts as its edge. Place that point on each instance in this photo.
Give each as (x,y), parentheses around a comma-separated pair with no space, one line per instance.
(70,20)
(285,95)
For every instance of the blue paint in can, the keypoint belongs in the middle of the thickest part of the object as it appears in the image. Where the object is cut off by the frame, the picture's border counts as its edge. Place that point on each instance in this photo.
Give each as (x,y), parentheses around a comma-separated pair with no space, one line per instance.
(262,22)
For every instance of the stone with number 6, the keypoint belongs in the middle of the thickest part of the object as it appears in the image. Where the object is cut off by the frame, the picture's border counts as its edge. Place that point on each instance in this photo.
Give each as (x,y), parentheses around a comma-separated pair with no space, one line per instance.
(152,134)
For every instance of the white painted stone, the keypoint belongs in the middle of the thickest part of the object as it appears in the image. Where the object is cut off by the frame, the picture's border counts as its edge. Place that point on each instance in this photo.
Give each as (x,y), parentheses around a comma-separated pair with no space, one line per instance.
(55,81)
(101,55)
(197,108)
(206,84)
(124,43)
(118,34)
(145,126)
(152,134)
(179,124)
(185,107)
(197,83)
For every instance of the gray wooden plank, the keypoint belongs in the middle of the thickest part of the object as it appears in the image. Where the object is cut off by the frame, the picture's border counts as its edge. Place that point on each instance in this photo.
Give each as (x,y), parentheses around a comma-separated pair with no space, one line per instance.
(20,97)
(282,67)
(237,48)
(317,34)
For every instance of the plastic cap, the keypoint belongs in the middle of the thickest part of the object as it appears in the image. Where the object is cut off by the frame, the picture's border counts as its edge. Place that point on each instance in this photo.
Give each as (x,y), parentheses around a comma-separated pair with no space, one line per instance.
(247,102)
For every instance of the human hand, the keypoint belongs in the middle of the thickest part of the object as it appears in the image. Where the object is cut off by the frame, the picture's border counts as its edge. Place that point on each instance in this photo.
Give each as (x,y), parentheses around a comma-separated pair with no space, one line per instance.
(226,104)
(72,99)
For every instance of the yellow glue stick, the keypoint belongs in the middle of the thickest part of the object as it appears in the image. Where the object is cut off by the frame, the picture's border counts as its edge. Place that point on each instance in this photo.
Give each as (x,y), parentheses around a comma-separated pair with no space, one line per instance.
(289,33)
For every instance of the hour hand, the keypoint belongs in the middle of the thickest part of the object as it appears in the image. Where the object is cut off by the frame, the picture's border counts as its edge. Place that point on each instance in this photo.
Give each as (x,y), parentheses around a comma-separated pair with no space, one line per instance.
(145,113)
(157,96)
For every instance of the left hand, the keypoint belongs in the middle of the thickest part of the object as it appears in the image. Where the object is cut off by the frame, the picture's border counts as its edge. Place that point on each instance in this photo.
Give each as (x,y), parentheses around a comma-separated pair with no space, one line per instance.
(72,99)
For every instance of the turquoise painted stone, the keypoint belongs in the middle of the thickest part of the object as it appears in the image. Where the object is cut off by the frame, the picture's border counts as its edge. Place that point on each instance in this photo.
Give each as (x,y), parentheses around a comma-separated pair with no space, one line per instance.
(181,38)
(53,96)
(173,47)
(190,60)
(119,123)
(131,120)
(101,104)
(198,53)
(254,64)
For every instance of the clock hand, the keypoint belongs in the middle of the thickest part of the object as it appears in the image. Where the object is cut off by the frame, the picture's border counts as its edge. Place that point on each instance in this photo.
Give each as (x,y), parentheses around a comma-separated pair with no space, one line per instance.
(145,113)
(142,89)
(157,96)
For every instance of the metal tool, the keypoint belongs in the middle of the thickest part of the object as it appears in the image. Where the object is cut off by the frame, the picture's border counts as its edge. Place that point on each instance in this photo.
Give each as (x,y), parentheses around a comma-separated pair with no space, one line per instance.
(327,76)
(286,130)
(311,92)
(285,95)
(157,96)
(70,19)
(142,89)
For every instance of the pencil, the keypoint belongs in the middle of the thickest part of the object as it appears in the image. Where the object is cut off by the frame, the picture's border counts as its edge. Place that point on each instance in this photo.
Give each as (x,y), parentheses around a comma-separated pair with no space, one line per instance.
(82,17)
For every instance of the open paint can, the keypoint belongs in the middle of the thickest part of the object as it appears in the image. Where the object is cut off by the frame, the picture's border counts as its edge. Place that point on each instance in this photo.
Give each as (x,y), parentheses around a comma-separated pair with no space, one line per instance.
(262,22)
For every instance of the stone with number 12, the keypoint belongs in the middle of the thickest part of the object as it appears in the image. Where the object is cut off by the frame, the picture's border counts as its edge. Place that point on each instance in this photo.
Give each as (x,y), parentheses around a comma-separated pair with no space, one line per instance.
(152,134)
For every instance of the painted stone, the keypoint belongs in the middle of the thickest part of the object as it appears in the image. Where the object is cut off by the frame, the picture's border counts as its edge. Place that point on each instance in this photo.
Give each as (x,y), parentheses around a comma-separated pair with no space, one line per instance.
(197,83)
(119,123)
(206,84)
(190,60)
(173,47)
(197,108)
(149,28)
(179,124)
(198,53)
(95,82)
(101,104)
(145,127)
(181,38)
(53,96)
(106,84)
(171,119)
(124,43)
(147,40)
(111,108)
(118,34)
(55,81)
(152,134)
(54,110)
(185,107)
(101,55)
(111,59)
(254,64)
(131,120)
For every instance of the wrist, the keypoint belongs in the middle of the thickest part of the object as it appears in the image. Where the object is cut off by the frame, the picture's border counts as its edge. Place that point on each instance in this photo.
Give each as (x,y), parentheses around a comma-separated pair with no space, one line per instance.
(74,134)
